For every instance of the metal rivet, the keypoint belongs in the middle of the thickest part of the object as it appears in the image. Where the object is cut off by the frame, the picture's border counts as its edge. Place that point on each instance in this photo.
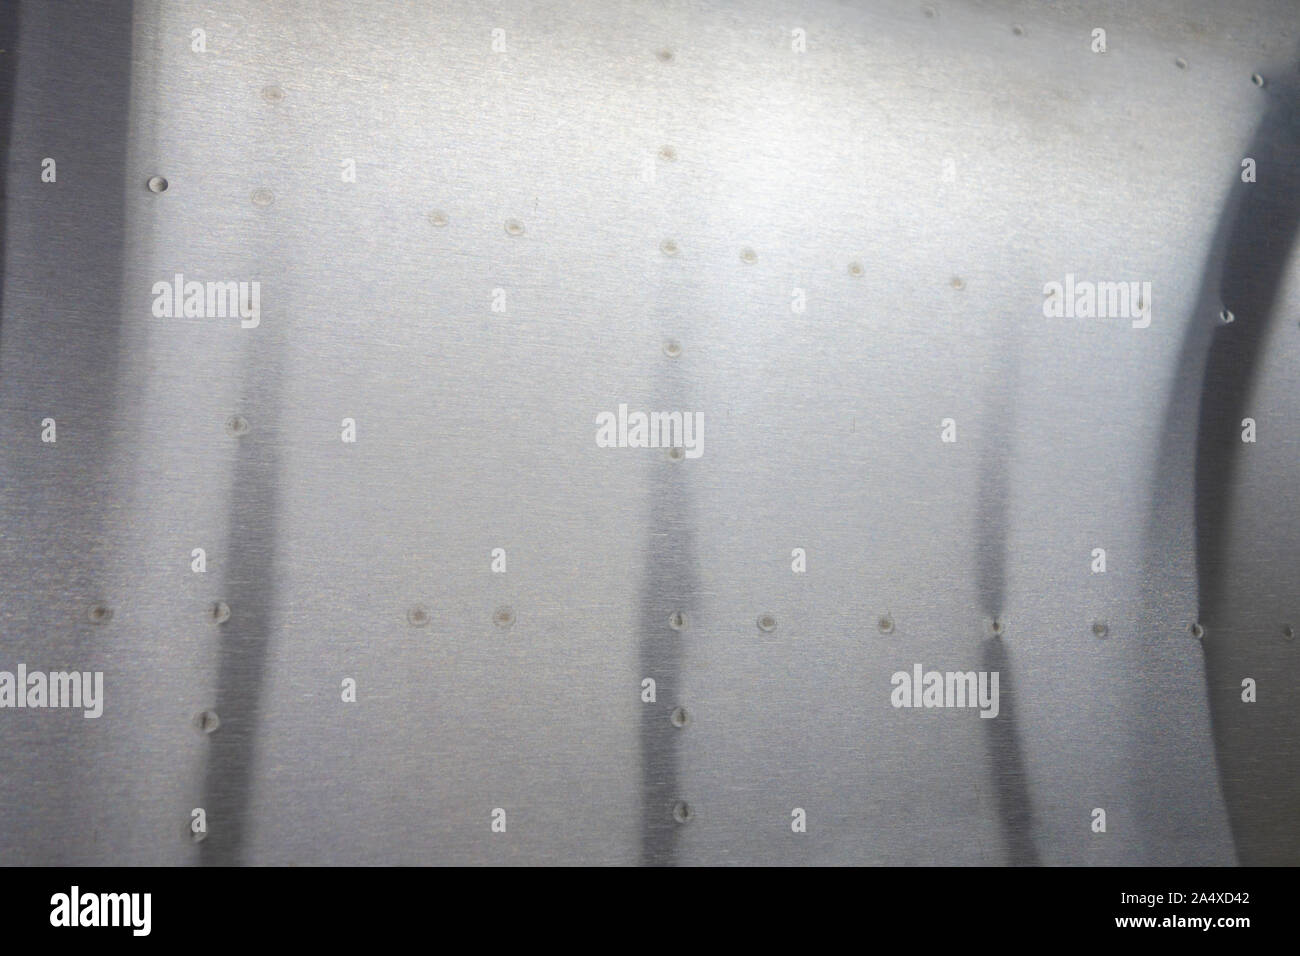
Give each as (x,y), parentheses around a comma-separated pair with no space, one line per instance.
(220,612)
(1288,631)
(418,616)
(665,55)
(503,616)
(672,348)
(1196,630)
(1180,63)
(438,218)
(1257,79)
(236,426)
(997,627)
(668,247)
(272,94)
(514,227)
(157,184)
(856,270)
(958,282)
(766,622)
(1225,316)
(682,812)
(748,255)
(1018,30)
(679,717)
(886,624)
(677,620)
(207,721)
(1100,629)
(263,197)
(676,453)
(100,614)
(668,154)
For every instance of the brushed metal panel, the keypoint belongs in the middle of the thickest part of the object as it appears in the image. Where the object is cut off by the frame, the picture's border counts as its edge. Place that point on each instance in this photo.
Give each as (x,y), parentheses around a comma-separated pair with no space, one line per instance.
(919,172)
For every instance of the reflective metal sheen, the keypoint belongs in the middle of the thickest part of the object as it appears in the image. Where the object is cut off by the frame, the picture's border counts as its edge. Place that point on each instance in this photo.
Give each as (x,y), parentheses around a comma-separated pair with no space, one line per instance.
(827,227)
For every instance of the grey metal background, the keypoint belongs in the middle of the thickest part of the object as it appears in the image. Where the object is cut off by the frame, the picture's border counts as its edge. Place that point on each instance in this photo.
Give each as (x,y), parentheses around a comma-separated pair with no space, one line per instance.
(476,431)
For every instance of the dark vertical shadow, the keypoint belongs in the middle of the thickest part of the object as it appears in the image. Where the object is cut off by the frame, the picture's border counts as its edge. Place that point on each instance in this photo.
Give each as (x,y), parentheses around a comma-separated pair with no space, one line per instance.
(1007,762)
(669,585)
(1258,761)
(78,267)
(61,340)
(1260,237)
(9,26)
(1216,374)
(246,638)
(1006,755)
(249,570)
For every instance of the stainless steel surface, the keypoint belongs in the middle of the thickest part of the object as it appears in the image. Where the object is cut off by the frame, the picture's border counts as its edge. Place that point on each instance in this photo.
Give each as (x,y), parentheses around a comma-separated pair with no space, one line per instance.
(916,174)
